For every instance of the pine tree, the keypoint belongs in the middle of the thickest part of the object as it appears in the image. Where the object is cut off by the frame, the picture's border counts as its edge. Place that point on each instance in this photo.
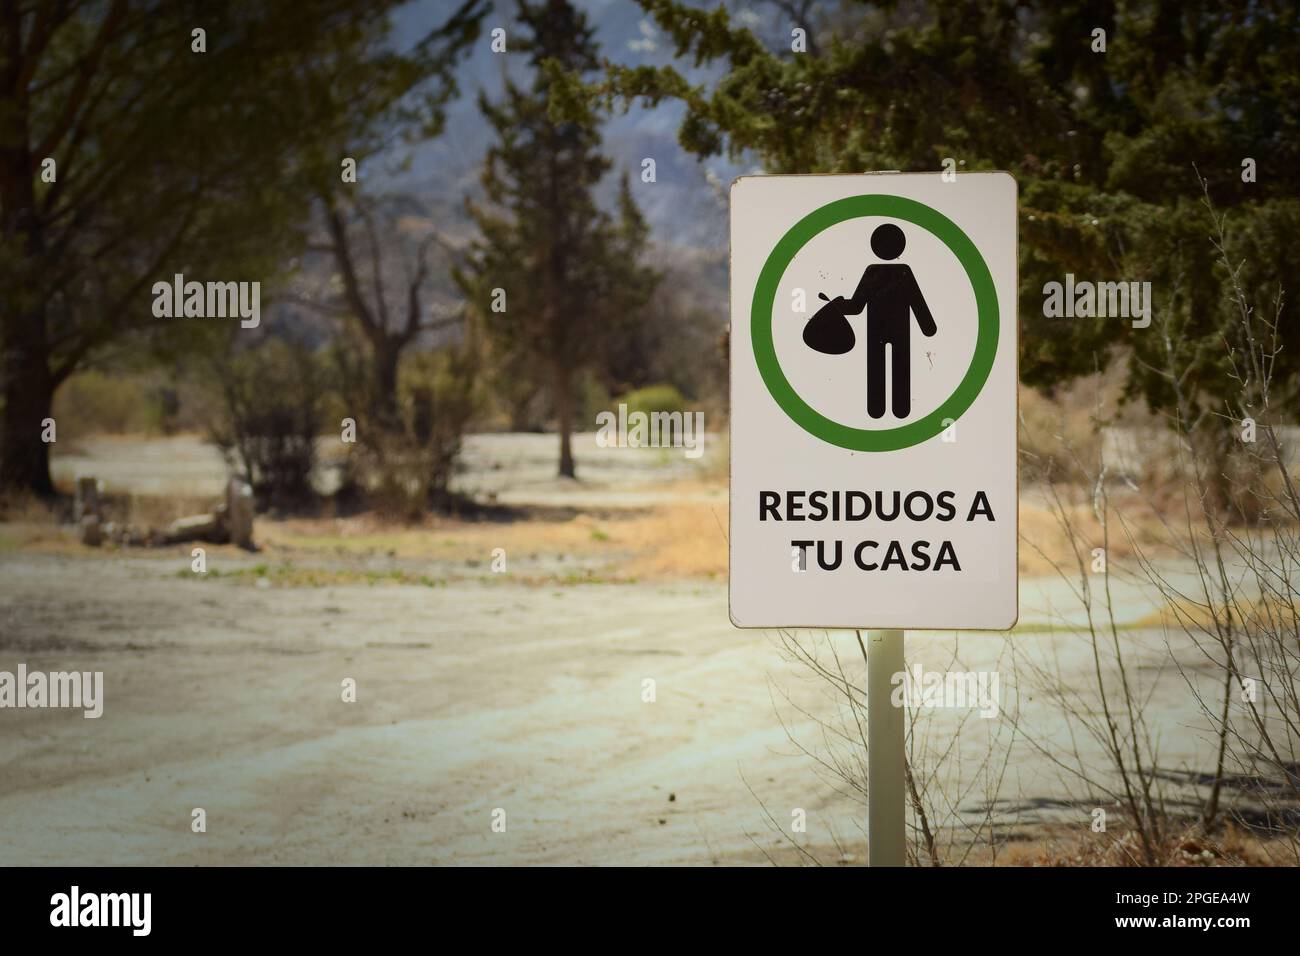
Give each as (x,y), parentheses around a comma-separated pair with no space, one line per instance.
(1108,114)
(553,276)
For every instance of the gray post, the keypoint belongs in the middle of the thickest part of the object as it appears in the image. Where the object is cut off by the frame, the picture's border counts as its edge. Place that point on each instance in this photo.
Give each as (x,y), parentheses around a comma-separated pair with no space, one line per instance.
(87,502)
(239,512)
(88,512)
(886,822)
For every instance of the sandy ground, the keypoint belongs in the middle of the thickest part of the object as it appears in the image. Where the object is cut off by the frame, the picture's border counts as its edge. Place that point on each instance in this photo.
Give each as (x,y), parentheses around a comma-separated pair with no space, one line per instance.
(477,691)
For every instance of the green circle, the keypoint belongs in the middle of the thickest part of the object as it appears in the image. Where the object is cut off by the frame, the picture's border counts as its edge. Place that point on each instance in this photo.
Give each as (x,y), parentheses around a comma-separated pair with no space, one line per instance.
(986,340)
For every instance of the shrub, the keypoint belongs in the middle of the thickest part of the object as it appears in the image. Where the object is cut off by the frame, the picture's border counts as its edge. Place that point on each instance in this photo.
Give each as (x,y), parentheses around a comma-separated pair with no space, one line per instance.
(408,470)
(271,401)
(97,402)
(653,398)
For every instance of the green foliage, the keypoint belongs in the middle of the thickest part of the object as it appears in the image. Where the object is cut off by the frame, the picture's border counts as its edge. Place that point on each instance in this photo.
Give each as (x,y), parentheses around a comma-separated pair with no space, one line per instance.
(171,160)
(404,466)
(1108,147)
(271,403)
(441,395)
(94,402)
(653,398)
(571,272)
(592,398)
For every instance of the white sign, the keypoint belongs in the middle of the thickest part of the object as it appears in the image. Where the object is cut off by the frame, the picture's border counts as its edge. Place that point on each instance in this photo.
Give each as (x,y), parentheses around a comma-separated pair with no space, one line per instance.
(873,401)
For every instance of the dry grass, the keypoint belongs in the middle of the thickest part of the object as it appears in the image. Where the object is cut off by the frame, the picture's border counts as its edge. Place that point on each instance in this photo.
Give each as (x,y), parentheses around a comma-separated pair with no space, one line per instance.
(369,535)
(661,542)
(1044,539)
(685,540)
(1233,846)
(25,509)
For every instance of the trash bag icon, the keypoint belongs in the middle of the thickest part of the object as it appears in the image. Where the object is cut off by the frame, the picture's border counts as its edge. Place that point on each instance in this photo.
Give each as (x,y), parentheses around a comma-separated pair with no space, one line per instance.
(828,331)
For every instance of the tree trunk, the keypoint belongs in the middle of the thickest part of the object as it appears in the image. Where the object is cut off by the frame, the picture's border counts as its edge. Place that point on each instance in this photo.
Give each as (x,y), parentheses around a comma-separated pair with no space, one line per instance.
(387,354)
(25,361)
(29,395)
(564,416)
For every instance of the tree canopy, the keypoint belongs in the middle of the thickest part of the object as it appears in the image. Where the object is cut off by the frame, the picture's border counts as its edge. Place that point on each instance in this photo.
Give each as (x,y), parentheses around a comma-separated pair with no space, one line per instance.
(184,137)
(1108,142)
(570,272)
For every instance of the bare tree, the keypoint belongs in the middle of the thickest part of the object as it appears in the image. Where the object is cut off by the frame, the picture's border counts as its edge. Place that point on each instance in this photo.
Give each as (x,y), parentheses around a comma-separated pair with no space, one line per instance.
(382,283)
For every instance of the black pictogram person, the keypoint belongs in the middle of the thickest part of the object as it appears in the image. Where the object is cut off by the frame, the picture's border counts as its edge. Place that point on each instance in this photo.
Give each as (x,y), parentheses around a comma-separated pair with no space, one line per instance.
(889,292)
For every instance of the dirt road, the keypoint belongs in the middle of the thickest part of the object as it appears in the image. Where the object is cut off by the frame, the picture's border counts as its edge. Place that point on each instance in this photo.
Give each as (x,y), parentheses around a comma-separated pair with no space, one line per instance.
(471,696)
(525,692)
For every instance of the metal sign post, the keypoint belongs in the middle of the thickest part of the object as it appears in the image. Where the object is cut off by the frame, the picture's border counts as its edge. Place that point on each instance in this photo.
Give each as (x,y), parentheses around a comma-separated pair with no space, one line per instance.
(886,832)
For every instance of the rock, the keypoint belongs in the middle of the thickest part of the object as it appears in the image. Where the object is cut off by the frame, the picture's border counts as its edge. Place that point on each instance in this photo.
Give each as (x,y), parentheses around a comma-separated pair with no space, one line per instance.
(87,503)
(193,528)
(92,534)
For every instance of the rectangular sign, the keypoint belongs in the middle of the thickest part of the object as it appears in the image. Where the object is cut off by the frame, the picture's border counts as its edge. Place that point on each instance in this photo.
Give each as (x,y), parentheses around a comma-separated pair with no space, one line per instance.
(873,401)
